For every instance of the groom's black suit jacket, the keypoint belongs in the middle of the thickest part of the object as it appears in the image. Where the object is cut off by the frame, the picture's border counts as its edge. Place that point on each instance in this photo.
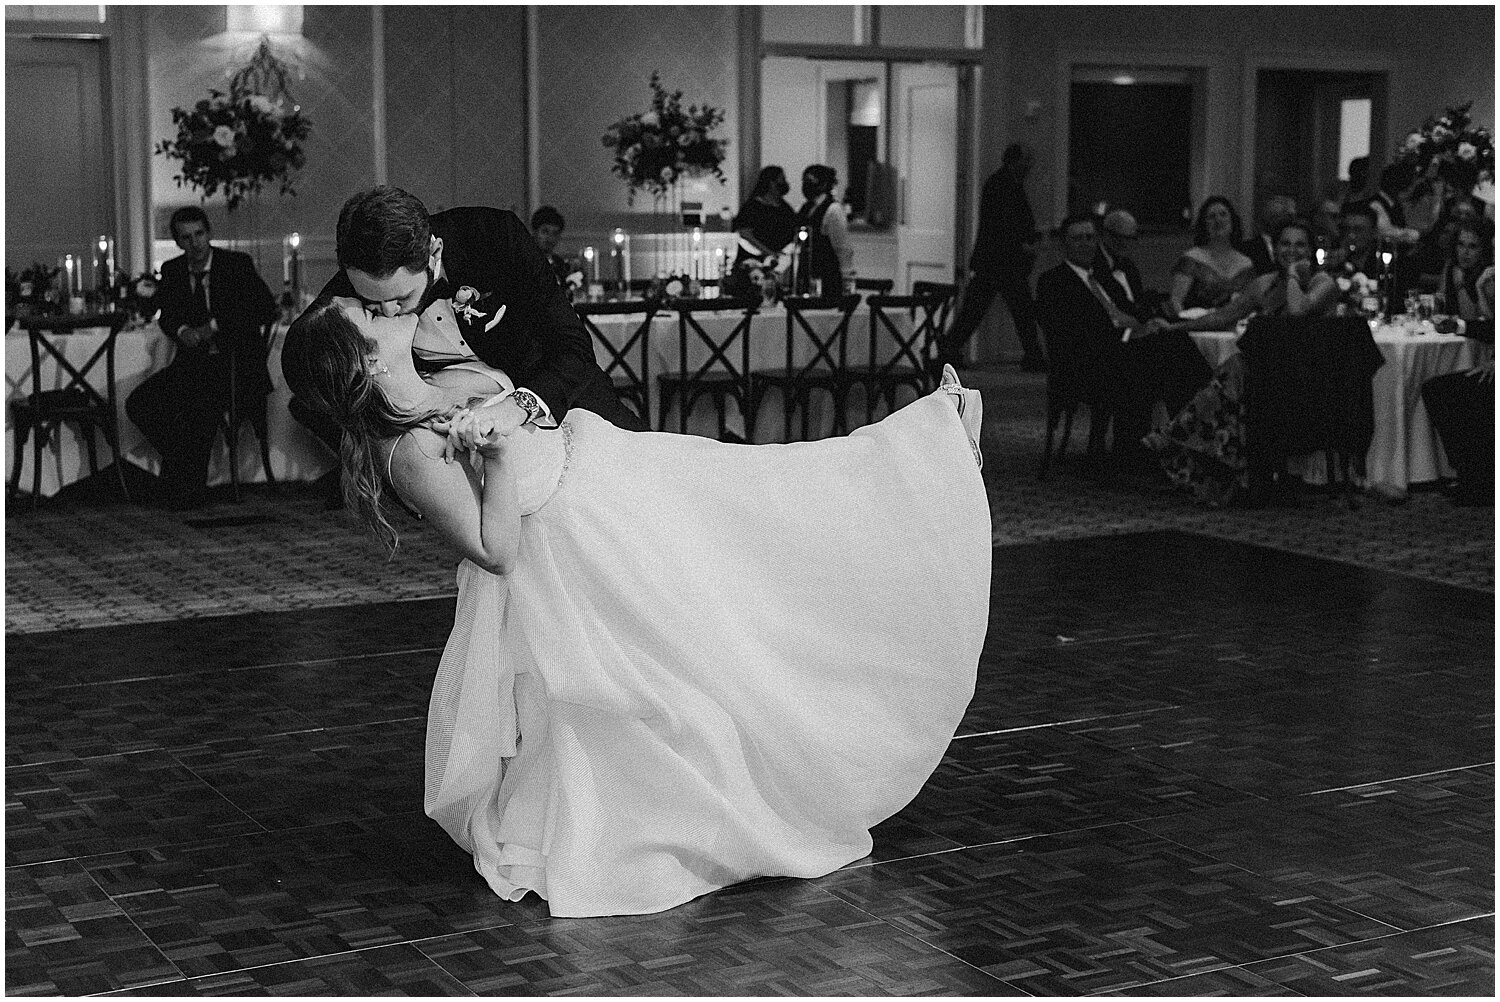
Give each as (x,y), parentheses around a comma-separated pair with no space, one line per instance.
(539,340)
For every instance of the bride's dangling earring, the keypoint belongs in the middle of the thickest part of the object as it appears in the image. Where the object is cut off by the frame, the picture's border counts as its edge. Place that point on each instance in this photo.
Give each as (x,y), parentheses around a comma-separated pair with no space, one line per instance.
(375,367)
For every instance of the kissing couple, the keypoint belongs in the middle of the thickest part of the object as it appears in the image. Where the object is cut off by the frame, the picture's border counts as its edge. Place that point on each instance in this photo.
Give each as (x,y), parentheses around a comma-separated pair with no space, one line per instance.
(676,663)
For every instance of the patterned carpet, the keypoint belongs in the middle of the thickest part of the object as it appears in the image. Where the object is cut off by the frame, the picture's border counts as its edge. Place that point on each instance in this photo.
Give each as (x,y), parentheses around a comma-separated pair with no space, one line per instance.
(84,566)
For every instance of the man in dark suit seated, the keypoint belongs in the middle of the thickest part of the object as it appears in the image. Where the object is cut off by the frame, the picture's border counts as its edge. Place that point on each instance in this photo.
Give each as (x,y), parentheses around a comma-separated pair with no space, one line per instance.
(1359,243)
(213,305)
(547,225)
(1121,362)
(1275,212)
(482,292)
(1462,408)
(1116,270)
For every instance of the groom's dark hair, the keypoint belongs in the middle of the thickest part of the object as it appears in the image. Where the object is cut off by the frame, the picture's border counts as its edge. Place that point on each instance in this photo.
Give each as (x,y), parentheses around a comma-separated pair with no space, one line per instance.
(383,229)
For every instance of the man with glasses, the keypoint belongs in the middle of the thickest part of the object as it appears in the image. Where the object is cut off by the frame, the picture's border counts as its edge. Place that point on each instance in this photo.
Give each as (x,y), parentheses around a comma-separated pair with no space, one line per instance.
(1116,270)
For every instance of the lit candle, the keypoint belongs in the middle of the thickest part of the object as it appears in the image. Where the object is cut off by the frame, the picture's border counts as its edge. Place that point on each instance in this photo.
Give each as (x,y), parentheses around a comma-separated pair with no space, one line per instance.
(295,241)
(801,255)
(104,264)
(1385,279)
(620,251)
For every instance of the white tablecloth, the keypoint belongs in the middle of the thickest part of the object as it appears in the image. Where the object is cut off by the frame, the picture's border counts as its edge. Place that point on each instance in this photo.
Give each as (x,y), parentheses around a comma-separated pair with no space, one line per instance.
(1406,449)
(295,453)
(767,351)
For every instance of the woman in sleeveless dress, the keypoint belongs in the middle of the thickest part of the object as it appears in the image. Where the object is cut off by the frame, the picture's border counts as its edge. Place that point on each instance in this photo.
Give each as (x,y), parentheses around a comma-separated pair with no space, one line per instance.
(1203,448)
(1210,272)
(676,664)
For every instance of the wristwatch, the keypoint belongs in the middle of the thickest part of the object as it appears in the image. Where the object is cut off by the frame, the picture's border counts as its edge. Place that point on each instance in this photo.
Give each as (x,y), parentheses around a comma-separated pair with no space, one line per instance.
(528,402)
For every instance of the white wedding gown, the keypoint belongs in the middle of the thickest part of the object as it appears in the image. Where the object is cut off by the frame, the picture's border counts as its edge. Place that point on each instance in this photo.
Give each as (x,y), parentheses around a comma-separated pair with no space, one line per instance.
(712,662)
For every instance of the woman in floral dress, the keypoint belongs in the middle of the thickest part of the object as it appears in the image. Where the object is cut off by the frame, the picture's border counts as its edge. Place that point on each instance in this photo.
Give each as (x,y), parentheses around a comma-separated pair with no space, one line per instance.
(1203,447)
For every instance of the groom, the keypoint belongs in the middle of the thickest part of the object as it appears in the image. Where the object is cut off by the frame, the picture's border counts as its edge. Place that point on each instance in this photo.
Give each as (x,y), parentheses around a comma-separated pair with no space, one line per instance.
(480,289)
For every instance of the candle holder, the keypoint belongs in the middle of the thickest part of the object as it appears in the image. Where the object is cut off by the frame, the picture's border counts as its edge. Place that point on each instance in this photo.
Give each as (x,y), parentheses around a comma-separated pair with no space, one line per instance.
(1387,287)
(103,270)
(70,283)
(619,254)
(293,266)
(595,291)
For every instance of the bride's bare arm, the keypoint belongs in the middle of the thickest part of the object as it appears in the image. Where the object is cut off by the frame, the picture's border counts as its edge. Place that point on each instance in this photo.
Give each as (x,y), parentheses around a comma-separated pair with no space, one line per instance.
(484,524)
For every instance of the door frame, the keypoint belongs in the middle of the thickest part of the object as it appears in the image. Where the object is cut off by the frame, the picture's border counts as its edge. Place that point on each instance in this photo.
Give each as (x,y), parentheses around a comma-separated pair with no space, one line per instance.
(1211,105)
(896,146)
(752,48)
(1378,66)
(126,104)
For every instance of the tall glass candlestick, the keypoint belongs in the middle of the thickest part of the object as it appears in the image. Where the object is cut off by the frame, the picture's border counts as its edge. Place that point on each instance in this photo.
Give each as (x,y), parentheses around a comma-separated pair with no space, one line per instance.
(591,273)
(295,242)
(619,251)
(1385,279)
(104,265)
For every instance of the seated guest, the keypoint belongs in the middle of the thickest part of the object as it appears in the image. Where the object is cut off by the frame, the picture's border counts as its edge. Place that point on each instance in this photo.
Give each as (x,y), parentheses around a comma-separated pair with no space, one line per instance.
(1467,283)
(1461,406)
(1261,248)
(1422,267)
(1389,209)
(1117,271)
(1119,362)
(213,305)
(547,227)
(1358,249)
(1325,218)
(1211,271)
(1203,447)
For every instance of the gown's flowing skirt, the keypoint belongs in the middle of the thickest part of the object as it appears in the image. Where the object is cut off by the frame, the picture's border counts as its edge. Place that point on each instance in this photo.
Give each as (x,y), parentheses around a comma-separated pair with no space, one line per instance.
(712,662)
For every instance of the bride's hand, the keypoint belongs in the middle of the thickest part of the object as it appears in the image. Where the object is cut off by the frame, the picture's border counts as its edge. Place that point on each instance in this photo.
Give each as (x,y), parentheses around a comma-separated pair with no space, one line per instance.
(484,431)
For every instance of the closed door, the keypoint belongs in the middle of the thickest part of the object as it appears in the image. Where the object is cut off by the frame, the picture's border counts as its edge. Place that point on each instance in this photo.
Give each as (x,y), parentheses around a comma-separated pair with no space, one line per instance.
(59,193)
(924,120)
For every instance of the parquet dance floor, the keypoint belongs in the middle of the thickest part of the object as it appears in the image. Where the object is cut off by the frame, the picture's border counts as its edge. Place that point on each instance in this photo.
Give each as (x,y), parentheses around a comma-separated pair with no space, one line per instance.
(1192,767)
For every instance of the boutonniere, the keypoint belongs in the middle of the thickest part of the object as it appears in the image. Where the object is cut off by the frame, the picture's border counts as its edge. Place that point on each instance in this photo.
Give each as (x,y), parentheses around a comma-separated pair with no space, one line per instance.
(466,305)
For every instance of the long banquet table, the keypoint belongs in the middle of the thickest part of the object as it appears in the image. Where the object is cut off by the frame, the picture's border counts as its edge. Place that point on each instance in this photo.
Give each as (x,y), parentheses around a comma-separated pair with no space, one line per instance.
(140,351)
(1406,449)
(767,351)
(297,455)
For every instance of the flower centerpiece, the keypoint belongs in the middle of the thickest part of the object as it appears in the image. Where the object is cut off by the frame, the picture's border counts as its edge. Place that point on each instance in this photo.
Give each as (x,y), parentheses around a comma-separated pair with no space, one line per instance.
(656,148)
(245,139)
(138,295)
(1451,150)
(1359,294)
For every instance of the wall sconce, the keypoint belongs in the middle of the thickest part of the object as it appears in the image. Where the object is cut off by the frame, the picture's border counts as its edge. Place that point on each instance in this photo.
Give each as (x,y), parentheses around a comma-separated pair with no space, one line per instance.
(265,19)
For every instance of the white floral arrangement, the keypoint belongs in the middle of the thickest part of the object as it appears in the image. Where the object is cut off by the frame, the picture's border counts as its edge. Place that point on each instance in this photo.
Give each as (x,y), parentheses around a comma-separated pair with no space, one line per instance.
(657,147)
(239,141)
(1450,149)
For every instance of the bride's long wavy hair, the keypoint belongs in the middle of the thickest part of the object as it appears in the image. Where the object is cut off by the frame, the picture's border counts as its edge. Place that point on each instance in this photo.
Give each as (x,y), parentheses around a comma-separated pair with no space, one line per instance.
(325,361)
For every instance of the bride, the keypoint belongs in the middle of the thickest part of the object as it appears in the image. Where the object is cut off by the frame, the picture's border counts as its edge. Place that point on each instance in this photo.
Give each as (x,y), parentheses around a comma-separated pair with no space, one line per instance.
(676,664)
